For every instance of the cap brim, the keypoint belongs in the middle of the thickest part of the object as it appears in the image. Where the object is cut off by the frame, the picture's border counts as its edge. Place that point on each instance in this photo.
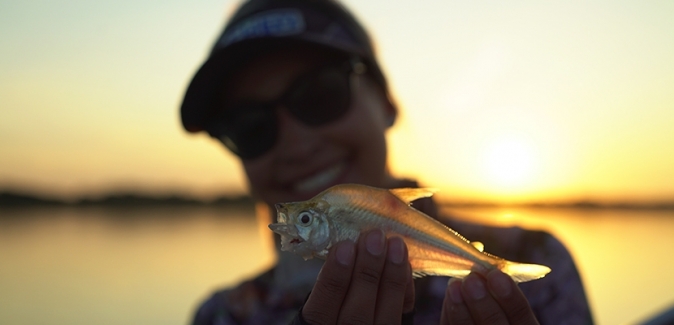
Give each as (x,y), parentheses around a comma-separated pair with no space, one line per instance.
(209,81)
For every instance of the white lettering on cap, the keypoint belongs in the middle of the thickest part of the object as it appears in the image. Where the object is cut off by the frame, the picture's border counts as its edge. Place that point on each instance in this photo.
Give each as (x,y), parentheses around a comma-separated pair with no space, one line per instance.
(272,23)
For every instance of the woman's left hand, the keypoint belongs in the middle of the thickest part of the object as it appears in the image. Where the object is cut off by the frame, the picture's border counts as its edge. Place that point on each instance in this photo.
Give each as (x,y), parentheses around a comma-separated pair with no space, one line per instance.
(493,300)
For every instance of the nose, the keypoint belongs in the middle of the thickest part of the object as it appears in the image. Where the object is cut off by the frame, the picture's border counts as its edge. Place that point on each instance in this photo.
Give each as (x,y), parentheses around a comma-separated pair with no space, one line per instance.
(297,141)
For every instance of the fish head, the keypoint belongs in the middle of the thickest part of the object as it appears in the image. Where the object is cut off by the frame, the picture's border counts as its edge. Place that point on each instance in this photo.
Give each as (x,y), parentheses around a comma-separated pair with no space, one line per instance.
(304,227)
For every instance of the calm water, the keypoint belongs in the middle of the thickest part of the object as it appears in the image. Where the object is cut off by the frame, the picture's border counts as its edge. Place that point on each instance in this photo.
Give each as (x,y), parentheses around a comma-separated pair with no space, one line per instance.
(153,265)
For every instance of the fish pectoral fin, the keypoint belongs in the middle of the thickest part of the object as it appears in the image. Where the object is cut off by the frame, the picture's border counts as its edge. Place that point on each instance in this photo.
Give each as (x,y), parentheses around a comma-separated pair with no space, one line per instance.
(478,245)
(408,195)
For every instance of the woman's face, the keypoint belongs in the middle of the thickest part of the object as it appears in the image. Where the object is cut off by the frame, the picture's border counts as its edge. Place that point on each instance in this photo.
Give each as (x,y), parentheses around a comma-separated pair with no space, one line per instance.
(307,160)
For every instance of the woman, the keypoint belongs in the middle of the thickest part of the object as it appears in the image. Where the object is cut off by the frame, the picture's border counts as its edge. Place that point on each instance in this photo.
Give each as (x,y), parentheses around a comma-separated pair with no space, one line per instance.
(293,88)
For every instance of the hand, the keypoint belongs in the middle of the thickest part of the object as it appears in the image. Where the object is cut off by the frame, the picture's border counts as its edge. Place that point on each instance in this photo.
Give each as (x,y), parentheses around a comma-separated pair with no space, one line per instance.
(490,301)
(365,283)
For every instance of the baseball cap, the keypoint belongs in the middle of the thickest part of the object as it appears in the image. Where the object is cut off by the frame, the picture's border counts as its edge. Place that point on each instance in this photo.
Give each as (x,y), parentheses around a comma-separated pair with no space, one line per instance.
(261,25)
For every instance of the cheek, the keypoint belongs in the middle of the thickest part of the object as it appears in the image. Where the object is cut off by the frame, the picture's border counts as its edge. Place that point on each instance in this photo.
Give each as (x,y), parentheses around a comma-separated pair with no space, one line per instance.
(369,143)
(369,119)
(364,131)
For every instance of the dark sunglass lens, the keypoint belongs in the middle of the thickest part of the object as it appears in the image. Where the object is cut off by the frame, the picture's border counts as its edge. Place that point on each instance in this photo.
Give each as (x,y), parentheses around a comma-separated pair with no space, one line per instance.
(251,134)
(321,99)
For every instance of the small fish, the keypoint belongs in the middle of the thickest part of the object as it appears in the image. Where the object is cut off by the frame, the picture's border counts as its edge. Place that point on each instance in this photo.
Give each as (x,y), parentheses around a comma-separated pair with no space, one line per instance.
(309,228)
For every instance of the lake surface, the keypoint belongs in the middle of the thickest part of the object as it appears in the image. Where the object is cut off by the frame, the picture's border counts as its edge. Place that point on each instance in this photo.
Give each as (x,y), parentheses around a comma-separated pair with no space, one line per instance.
(152,265)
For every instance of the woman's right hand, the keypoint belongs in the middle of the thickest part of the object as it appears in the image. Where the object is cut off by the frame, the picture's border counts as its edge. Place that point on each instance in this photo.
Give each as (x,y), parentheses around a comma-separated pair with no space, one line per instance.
(365,283)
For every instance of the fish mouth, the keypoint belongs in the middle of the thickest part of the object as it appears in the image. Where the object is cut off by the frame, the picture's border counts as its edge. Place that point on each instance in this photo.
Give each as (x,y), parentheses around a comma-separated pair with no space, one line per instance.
(290,238)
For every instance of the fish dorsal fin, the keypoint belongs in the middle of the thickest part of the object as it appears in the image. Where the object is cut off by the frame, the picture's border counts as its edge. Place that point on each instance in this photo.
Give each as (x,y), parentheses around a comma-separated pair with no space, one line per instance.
(478,245)
(408,195)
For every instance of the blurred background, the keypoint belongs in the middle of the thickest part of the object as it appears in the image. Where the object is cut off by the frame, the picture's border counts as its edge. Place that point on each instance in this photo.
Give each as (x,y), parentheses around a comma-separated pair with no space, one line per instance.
(548,115)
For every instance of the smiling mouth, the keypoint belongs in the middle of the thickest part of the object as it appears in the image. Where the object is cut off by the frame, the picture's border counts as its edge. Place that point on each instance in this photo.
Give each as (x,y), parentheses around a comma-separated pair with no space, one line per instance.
(296,241)
(321,179)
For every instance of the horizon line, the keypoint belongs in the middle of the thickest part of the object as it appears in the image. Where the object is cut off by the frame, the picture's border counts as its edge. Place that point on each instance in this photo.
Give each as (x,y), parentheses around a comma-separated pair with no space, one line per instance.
(125,198)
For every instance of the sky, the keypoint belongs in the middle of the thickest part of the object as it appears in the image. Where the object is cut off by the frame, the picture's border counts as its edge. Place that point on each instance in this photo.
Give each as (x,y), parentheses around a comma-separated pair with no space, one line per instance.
(500,101)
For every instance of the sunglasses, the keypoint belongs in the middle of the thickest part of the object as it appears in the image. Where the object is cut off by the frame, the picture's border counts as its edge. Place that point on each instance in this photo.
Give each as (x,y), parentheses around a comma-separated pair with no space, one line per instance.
(319,97)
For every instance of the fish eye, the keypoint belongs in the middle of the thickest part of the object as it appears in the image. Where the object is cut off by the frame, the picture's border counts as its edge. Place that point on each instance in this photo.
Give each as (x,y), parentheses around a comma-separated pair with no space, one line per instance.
(305,218)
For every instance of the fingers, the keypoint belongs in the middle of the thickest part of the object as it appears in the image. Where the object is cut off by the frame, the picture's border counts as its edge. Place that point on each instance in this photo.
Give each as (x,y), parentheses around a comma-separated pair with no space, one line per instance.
(454,310)
(364,283)
(396,288)
(408,305)
(482,306)
(324,302)
(365,280)
(510,298)
(480,301)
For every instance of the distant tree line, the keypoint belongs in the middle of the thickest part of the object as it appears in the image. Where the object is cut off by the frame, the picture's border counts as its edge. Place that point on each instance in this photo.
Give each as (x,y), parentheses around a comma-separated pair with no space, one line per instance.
(15,199)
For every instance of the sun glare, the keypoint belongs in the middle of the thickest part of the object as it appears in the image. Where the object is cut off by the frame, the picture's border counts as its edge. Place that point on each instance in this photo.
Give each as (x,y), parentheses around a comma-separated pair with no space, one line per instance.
(508,162)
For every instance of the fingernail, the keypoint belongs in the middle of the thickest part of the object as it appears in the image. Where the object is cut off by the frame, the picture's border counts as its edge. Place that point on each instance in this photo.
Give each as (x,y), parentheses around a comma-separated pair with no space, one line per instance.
(474,287)
(375,242)
(345,252)
(396,250)
(454,287)
(499,283)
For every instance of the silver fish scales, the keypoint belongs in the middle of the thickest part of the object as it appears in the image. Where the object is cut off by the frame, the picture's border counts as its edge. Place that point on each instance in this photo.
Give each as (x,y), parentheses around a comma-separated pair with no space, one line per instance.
(309,228)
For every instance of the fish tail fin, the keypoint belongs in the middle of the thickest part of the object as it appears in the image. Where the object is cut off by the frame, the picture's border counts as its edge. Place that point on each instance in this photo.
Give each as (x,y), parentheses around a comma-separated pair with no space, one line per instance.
(521,272)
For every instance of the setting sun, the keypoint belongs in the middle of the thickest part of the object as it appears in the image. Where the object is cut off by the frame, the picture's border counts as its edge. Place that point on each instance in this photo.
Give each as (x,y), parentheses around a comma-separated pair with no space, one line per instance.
(508,162)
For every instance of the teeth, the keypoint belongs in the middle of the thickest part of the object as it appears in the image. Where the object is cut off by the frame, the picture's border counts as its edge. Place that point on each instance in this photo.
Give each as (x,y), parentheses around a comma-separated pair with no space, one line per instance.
(320,180)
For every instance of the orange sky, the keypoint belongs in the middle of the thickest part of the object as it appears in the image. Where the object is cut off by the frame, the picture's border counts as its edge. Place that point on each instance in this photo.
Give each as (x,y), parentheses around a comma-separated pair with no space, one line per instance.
(507,102)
